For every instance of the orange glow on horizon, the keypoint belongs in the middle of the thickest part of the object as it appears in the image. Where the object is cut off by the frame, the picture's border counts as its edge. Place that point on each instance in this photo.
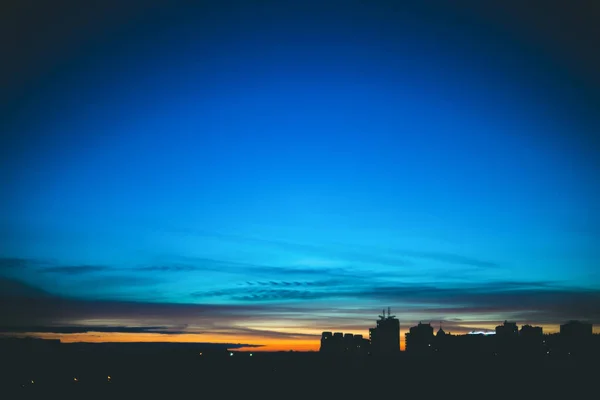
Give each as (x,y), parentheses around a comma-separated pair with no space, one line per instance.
(265,343)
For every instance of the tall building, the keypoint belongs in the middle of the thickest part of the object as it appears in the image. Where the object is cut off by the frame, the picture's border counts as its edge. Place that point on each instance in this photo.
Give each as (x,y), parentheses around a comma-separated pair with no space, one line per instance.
(338,343)
(508,329)
(326,342)
(507,337)
(531,340)
(348,342)
(385,337)
(576,338)
(419,339)
(528,331)
(576,330)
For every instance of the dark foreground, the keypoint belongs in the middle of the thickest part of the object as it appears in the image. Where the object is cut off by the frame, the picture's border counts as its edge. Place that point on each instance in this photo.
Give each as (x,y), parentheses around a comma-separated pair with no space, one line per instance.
(291,375)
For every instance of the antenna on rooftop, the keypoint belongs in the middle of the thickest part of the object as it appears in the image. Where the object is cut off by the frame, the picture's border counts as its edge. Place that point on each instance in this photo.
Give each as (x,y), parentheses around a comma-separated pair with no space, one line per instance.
(390,313)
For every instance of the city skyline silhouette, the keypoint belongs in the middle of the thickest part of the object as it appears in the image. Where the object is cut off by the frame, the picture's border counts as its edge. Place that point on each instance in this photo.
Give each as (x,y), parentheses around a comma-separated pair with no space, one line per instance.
(225,194)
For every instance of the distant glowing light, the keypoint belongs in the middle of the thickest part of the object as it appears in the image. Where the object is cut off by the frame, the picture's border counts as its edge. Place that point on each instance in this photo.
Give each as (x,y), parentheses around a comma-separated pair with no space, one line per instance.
(32,382)
(481,333)
(230,354)
(250,354)
(75,380)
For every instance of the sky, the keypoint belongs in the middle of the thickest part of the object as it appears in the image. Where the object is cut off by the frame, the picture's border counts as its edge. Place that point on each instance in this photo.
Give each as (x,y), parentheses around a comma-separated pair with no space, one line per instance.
(255,173)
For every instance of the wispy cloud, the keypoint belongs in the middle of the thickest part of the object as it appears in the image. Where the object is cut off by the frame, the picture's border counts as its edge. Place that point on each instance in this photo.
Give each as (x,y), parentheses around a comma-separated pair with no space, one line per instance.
(448,258)
(366,254)
(75,269)
(265,294)
(169,268)
(236,331)
(15,263)
(9,263)
(163,330)
(233,308)
(249,269)
(543,298)
(346,253)
(14,288)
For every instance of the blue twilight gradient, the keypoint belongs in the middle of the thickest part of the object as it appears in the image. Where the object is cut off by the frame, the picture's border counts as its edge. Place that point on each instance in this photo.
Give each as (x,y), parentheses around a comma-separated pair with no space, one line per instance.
(350,158)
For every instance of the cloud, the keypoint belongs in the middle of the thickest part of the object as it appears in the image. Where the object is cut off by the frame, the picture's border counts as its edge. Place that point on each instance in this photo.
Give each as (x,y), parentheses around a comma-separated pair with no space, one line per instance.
(264,333)
(449,258)
(23,304)
(9,263)
(270,291)
(50,267)
(331,282)
(364,254)
(75,269)
(528,299)
(121,281)
(18,289)
(347,253)
(282,295)
(303,306)
(85,329)
(538,300)
(268,271)
(169,268)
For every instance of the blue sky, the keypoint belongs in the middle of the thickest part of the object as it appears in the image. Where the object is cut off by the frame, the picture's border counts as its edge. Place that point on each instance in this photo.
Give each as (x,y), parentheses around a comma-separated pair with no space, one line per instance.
(331,160)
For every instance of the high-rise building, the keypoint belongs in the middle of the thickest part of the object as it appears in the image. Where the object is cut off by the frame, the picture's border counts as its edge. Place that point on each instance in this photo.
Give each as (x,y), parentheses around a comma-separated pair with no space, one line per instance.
(507,338)
(385,337)
(528,331)
(338,343)
(419,339)
(326,342)
(576,330)
(508,329)
(576,338)
(531,340)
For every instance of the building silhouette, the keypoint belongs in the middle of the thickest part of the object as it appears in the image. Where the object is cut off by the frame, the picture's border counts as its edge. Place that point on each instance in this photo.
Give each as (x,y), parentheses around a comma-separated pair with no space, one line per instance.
(419,339)
(385,337)
(507,330)
(507,336)
(340,343)
(528,331)
(576,330)
(531,340)
(575,338)
(443,341)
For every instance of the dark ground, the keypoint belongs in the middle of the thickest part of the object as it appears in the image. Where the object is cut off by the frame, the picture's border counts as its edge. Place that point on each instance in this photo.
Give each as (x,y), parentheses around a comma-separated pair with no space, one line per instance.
(185,374)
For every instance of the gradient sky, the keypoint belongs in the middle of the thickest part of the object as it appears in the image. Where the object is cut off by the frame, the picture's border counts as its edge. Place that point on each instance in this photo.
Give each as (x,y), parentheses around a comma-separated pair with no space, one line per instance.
(258,172)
